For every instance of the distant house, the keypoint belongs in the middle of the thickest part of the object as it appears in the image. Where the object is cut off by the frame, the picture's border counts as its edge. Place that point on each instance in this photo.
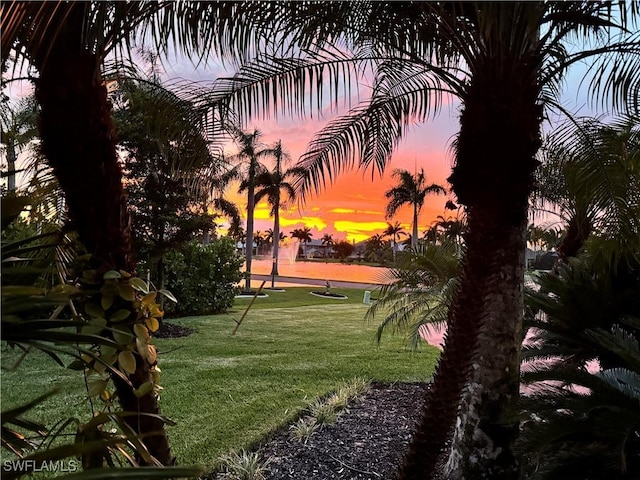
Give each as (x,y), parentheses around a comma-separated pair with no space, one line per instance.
(316,249)
(240,247)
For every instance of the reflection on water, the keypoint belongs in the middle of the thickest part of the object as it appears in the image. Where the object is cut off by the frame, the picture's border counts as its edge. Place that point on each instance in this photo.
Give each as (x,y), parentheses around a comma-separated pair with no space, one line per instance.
(324,271)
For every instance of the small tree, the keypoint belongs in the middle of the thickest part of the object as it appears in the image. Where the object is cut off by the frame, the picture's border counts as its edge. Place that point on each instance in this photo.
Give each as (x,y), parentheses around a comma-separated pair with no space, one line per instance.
(343,249)
(166,213)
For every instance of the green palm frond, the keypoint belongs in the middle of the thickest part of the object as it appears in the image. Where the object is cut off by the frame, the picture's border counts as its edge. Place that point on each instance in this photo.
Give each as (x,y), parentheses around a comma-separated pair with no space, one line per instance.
(581,364)
(420,293)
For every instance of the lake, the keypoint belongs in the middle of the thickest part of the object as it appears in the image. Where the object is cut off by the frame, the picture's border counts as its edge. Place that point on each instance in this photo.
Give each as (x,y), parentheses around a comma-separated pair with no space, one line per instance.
(324,271)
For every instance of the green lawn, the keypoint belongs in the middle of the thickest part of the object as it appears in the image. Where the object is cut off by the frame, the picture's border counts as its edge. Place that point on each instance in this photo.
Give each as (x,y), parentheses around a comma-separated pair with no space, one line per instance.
(228,391)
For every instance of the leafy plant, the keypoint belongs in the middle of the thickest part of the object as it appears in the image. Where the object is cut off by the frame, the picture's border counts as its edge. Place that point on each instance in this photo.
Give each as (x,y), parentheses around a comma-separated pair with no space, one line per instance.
(304,429)
(40,277)
(582,367)
(203,278)
(244,466)
(420,292)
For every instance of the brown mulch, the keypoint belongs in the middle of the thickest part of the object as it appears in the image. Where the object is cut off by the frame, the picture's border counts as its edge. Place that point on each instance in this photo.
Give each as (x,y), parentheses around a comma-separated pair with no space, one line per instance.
(367,442)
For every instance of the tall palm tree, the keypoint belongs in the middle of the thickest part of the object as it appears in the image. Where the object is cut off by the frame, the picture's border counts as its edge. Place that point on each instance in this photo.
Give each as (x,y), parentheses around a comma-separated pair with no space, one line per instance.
(304,236)
(67,42)
(505,62)
(250,150)
(271,185)
(412,190)
(394,231)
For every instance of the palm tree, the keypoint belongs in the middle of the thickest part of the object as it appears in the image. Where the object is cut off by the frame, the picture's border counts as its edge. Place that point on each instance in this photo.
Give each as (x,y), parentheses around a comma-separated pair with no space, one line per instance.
(394,231)
(327,241)
(374,248)
(588,179)
(18,129)
(247,158)
(270,185)
(236,231)
(66,42)
(411,190)
(304,236)
(452,228)
(505,62)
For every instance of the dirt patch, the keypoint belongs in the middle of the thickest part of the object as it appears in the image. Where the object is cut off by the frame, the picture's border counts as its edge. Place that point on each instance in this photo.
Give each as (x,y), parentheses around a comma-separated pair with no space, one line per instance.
(171,330)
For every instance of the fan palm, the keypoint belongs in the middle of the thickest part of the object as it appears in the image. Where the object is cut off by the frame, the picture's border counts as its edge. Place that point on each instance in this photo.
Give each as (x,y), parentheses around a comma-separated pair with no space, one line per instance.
(585,334)
(505,61)
(412,190)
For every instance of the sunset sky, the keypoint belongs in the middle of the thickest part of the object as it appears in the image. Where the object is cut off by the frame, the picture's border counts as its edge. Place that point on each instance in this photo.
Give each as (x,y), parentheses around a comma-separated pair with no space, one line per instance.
(353,206)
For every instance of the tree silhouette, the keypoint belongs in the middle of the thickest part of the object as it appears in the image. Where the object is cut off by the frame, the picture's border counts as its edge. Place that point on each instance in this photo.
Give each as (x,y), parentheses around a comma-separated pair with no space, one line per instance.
(271,185)
(505,62)
(412,190)
(304,236)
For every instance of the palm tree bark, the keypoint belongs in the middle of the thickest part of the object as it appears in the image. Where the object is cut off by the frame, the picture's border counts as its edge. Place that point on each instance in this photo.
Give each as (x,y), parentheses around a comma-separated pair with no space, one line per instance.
(276,242)
(251,204)
(78,141)
(414,237)
(493,177)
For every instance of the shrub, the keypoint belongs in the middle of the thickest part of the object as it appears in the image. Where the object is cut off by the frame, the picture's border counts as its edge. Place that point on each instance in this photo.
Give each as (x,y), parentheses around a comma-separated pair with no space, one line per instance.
(203,278)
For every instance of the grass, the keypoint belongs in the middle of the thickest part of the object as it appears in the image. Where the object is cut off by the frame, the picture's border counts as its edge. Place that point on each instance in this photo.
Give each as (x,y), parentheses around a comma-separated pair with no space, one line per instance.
(299,297)
(227,392)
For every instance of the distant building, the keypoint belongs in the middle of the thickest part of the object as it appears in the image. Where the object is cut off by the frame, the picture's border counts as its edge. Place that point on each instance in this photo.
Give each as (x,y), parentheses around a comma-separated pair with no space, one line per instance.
(316,249)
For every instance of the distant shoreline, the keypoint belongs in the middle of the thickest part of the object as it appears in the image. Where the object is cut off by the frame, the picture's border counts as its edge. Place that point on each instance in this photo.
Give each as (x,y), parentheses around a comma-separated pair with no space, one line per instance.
(316,281)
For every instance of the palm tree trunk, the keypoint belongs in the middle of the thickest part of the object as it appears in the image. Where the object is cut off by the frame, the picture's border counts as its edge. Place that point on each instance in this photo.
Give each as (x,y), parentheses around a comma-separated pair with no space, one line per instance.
(249,248)
(477,378)
(414,237)
(79,143)
(11,166)
(276,243)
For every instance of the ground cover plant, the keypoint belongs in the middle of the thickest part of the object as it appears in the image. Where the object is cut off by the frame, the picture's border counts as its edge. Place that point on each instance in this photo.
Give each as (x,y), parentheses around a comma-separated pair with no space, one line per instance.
(228,392)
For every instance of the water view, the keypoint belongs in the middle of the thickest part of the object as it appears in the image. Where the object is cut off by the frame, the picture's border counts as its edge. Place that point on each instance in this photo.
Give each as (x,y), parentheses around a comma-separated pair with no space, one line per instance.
(324,271)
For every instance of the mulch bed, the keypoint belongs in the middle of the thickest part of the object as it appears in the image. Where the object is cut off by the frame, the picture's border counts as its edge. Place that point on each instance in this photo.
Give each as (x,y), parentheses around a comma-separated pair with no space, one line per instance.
(171,330)
(367,442)
(338,296)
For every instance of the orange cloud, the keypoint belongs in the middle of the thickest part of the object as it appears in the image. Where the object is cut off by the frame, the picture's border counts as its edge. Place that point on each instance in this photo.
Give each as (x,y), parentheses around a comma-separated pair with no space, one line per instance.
(311,222)
(342,210)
